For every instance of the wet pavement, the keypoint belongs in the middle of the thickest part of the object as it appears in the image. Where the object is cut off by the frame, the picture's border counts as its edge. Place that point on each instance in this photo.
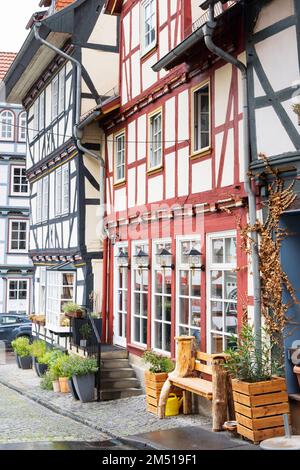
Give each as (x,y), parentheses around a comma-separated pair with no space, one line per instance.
(70,445)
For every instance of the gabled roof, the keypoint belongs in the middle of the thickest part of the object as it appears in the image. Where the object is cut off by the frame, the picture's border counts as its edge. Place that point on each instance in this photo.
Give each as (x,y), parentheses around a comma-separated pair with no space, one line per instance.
(6,59)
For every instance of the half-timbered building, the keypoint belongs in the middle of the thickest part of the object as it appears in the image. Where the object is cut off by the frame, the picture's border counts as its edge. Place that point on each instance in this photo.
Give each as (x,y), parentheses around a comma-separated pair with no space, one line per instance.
(67,65)
(16,268)
(175,180)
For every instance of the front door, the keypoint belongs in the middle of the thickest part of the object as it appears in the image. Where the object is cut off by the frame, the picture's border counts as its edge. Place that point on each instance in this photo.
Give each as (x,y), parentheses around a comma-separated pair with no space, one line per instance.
(121,294)
(18,296)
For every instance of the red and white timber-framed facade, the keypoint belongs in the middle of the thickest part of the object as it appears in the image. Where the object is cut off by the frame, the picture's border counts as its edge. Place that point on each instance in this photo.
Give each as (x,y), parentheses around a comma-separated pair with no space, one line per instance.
(174,184)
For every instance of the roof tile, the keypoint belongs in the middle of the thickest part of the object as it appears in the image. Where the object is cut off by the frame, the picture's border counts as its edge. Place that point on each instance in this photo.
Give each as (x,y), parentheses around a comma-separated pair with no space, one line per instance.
(6,59)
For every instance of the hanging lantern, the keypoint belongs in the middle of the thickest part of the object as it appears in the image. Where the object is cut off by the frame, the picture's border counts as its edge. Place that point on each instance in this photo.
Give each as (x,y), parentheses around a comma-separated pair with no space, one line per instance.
(164,258)
(194,259)
(122,259)
(142,259)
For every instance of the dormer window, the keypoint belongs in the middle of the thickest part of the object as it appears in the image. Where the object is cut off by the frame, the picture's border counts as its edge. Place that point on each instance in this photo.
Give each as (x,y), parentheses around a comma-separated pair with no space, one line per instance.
(6,125)
(149,25)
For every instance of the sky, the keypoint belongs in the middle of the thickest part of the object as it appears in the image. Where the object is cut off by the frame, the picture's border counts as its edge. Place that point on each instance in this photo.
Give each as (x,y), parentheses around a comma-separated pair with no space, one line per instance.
(14,16)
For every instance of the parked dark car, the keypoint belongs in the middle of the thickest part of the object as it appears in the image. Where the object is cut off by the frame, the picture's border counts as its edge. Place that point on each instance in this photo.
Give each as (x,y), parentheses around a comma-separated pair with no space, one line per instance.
(14,326)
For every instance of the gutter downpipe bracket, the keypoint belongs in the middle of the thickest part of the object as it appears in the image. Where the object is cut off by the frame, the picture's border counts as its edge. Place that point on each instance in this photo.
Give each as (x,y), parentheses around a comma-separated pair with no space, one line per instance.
(208,29)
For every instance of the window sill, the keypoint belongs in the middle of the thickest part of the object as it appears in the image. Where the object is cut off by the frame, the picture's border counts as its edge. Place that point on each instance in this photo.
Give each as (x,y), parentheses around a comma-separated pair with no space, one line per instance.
(148,53)
(201,153)
(154,171)
(120,184)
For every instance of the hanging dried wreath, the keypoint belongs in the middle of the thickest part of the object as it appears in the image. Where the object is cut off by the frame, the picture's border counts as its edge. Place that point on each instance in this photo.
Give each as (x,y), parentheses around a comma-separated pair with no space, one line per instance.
(273,279)
(296,109)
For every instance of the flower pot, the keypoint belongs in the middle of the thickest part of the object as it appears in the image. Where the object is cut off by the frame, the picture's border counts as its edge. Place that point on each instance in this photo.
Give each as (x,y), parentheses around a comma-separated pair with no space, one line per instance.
(154,383)
(83,343)
(25,362)
(85,387)
(56,386)
(297,372)
(40,369)
(72,389)
(18,361)
(63,384)
(259,408)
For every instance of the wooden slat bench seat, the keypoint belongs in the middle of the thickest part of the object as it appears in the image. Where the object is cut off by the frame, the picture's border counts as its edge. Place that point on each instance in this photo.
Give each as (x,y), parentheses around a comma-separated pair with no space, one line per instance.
(199,373)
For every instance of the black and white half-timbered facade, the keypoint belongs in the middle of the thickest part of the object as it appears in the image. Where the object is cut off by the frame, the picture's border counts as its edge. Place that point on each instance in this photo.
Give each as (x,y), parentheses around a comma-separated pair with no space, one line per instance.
(16,269)
(64,178)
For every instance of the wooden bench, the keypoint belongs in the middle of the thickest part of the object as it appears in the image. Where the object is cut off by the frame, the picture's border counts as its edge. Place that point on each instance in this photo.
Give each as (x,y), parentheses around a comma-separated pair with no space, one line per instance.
(200,373)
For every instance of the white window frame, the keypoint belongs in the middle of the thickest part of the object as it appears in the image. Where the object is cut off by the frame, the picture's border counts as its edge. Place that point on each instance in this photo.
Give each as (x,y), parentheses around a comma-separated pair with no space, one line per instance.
(36,118)
(135,244)
(120,291)
(39,199)
(61,90)
(7,127)
(18,280)
(58,192)
(10,239)
(41,117)
(55,97)
(119,157)
(181,266)
(146,48)
(210,266)
(163,322)
(65,181)
(22,126)
(196,119)
(12,182)
(54,297)
(155,145)
(45,199)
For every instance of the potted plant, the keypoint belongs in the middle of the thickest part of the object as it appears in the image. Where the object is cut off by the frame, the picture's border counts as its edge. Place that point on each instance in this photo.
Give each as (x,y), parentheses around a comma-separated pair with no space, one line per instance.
(155,377)
(72,310)
(260,396)
(49,359)
(38,349)
(84,378)
(22,348)
(57,368)
(85,332)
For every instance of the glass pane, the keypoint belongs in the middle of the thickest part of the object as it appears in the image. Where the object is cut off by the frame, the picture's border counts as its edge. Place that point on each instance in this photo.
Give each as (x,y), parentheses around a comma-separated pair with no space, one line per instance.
(195,307)
(196,281)
(216,284)
(120,278)
(185,249)
(216,316)
(217,250)
(183,331)
(167,339)
(230,285)
(196,333)
(137,280)
(167,315)
(145,279)
(230,250)
(136,335)
(136,304)
(158,281)
(68,279)
(230,343)
(144,332)
(120,318)
(216,343)
(168,281)
(230,312)
(145,305)
(120,301)
(184,311)
(184,283)
(158,335)
(124,297)
(67,293)
(158,307)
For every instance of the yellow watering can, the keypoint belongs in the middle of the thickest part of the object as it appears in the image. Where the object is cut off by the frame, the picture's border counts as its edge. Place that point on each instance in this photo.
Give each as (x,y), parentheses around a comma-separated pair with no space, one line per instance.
(173,405)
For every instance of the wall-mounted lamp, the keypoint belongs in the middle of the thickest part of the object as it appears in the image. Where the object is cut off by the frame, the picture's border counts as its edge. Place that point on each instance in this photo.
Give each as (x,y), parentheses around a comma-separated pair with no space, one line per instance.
(194,259)
(164,259)
(122,259)
(142,259)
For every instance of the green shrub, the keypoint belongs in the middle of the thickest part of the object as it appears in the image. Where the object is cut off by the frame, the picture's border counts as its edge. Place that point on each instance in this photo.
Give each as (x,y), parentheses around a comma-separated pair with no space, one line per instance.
(246,363)
(38,348)
(57,367)
(85,331)
(50,357)
(84,366)
(158,363)
(70,307)
(21,346)
(69,366)
(46,382)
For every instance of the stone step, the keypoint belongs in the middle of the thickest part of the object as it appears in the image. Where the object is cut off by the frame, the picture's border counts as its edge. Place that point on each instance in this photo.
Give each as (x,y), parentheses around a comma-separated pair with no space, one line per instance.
(118,354)
(125,372)
(119,384)
(116,394)
(115,363)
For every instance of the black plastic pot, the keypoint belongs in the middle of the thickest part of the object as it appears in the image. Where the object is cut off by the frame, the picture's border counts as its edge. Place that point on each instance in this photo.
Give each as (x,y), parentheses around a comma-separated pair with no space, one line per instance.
(40,369)
(85,387)
(18,361)
(25,362)
(73,389)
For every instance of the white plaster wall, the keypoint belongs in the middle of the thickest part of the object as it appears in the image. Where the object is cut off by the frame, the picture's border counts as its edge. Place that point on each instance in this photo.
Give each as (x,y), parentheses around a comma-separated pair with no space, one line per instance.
(126,31)
(228,168)
(272,139)
(120,199)
(202,176)
(170,175)
(136,80)
(155,189)
(131,187)
(74,237)
(141,189)
(135,32)
(241,152)
(273,12)
(104,31)
(163,42)
(163,12)
(170,122)
(149,77)
(183,115)
(222,87)
(110,151)
(131,142)
(142,133)
(183,172)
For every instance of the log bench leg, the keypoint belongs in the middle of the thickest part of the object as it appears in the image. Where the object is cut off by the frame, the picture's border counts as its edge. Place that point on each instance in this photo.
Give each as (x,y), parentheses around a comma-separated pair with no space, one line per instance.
(163,399)
(187,402)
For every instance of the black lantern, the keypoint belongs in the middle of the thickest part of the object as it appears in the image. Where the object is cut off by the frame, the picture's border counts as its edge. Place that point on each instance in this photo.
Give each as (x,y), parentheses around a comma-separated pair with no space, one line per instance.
(122,259)
(164,259)
(142,259)
(194,259)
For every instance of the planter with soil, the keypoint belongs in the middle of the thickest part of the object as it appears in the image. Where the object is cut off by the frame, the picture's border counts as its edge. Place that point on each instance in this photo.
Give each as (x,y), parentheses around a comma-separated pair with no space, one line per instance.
(25,362)
(85,387)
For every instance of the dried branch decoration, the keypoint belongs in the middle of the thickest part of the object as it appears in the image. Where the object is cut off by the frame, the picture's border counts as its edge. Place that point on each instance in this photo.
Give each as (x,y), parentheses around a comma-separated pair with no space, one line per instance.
(273,279)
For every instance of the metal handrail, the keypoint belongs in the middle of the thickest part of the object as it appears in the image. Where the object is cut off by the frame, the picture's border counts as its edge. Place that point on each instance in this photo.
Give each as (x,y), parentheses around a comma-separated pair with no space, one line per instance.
(89,316)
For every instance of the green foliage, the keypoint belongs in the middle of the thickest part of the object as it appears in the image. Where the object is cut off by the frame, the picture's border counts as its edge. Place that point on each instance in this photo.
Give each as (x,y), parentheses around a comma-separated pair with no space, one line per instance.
(246,363)
(85,331)
(21,346)
(47,379)
(69,366)
(157,362)
(38,348)
(50,357)
(57,366)
(84,366)
(70,307)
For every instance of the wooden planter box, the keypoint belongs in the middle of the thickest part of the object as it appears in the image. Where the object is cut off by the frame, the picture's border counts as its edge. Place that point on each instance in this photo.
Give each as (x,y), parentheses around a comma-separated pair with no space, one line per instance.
(154,383)
(259,408)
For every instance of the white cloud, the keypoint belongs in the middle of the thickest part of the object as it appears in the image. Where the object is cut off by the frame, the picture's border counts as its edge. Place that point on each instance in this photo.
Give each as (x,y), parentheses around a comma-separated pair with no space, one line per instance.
(14,16)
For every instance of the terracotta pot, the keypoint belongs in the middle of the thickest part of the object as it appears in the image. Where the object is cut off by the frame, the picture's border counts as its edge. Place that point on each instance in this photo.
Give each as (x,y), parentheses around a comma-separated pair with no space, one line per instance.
(63,384)
(56,386)
(297,372)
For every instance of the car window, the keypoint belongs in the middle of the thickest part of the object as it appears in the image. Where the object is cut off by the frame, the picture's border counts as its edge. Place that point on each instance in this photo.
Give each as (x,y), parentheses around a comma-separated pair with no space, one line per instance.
(9,320)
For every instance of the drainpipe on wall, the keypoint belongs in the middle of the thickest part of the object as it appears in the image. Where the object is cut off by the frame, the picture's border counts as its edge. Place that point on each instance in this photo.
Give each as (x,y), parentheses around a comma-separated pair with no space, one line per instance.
(208,32)
(78,133)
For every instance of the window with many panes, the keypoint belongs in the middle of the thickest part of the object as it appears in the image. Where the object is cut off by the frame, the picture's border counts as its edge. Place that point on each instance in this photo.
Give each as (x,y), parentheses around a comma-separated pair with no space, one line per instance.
(62,197)
(18,230)
(201,132)
(149,25)
(17,297)
(19,183)
(161,299)
(188,301)
(120,158)
(58,93)
(55,93)
(22,127)
(60,290)
(6,125)
(121,273)
(222,290)
(140,289)
(155,141)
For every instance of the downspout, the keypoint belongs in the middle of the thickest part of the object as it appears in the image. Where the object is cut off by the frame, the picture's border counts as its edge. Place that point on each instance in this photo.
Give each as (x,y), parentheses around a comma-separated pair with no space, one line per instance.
(78,133)
(208,29)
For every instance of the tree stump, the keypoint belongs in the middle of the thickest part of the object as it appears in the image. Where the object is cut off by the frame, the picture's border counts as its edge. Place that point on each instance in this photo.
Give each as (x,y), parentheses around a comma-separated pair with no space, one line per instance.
(219,401)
